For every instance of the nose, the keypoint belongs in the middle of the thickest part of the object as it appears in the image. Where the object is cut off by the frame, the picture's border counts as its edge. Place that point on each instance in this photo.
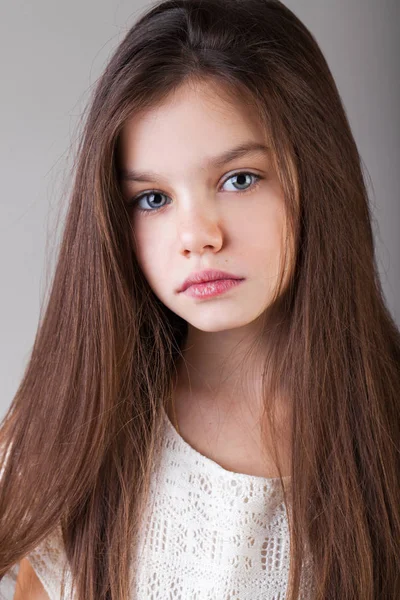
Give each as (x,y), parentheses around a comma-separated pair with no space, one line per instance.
(199,229)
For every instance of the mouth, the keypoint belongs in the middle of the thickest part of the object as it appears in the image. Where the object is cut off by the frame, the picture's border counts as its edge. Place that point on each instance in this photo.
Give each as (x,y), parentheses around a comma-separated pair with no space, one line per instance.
(209,289)
(208,276)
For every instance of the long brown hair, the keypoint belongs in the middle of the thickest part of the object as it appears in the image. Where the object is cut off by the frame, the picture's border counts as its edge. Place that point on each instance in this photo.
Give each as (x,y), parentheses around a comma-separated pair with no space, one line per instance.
(80,438)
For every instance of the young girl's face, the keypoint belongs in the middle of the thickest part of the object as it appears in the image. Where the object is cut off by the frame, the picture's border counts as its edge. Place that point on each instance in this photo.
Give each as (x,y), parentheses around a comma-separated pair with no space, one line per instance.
(195,213)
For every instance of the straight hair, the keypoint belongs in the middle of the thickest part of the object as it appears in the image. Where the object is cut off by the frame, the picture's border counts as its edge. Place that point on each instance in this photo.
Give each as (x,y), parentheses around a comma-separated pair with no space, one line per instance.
(82,434)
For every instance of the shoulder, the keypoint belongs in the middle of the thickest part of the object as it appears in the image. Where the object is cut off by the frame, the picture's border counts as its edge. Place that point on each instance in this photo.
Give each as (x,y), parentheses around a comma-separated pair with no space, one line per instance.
(28,585)
(44,572)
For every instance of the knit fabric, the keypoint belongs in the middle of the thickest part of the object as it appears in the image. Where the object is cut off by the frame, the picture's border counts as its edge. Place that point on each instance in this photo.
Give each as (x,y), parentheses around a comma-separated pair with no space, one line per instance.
(208,534)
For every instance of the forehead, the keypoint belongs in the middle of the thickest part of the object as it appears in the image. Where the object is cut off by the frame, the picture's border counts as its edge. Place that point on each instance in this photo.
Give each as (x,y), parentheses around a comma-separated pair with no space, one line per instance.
(195,122)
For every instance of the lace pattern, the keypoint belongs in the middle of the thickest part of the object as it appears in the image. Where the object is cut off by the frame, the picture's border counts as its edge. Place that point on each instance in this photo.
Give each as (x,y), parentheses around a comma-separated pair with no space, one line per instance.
(208,534)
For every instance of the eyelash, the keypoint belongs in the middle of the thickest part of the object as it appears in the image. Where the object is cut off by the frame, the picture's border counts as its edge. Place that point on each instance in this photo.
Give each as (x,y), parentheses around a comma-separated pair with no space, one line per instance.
(134,202)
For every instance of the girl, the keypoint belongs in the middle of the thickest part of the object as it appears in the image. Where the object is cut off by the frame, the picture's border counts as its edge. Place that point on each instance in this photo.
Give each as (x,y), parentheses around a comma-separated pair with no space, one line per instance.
(211,407)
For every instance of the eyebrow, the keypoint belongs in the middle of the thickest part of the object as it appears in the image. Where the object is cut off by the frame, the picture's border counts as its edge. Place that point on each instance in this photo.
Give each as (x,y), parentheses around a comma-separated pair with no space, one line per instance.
(215,161)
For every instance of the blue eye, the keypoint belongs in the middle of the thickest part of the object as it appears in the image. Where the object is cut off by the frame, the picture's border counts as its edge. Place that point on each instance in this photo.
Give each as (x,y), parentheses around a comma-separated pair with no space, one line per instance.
(156,196)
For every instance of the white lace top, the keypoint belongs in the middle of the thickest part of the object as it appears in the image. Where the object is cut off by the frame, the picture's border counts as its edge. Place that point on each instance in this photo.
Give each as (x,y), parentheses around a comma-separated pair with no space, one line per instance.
(209,534)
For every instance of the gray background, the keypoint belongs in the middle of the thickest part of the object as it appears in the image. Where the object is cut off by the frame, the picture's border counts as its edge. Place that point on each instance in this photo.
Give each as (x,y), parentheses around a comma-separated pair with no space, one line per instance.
(52,53)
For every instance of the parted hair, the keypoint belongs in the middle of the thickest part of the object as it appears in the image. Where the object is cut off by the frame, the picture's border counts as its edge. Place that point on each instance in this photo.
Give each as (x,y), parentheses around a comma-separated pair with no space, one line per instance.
(81,436)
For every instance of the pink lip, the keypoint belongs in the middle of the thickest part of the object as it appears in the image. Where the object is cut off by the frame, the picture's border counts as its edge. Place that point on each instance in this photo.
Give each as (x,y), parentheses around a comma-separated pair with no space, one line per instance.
(209,289)
(208,275)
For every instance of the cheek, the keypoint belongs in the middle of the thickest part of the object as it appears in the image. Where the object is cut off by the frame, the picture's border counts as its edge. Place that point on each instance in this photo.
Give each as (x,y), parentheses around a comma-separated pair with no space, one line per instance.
(151,254)
(263,231)
(143,240)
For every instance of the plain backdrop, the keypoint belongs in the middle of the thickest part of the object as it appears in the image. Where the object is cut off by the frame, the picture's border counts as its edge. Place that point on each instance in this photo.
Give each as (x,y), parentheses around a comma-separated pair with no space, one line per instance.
(52,53)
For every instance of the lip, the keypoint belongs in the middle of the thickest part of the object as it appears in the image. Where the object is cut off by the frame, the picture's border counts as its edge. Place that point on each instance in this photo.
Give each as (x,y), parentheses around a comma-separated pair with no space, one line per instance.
(210,289)
(205,276)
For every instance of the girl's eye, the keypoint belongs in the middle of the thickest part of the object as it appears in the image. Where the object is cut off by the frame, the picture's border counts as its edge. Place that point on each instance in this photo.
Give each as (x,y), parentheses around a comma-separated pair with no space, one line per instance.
(154,198)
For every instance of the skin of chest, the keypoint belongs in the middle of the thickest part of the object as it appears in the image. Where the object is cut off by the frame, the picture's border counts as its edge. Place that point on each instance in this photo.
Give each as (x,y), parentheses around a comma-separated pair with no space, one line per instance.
(230,437)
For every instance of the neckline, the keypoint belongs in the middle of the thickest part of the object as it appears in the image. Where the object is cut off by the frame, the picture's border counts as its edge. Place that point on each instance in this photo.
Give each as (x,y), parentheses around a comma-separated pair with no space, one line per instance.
(245,477)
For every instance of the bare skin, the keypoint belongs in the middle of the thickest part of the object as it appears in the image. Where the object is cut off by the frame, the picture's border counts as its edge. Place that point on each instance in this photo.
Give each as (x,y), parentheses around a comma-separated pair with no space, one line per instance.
(231,436)
(201,221)
(28,585)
